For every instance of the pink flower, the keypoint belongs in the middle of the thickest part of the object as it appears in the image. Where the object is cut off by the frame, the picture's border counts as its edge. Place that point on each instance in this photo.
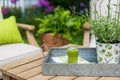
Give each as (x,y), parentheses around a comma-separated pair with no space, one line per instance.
(44,2)
(5,10)
(49,9)
(73,7)
(13,1)
(82,4)
(36,5)
(73,14)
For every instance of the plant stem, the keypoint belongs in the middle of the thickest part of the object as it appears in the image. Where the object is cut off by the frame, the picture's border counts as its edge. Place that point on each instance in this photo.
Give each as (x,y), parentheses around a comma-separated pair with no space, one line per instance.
(116,10)
(108,8)
(119,11)
(100,6)
(95,12)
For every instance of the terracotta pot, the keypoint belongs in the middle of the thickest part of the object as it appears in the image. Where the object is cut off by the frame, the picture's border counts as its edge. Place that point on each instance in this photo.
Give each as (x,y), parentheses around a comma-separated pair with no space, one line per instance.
(50,40)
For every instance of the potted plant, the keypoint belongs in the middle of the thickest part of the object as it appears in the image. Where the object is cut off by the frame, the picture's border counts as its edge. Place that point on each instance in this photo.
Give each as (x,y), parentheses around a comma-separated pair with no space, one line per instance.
(107,32)
(60,24)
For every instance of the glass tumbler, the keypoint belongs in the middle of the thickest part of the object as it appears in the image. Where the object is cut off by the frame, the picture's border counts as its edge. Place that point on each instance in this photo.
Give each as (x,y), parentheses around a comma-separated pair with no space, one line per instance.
(72,54)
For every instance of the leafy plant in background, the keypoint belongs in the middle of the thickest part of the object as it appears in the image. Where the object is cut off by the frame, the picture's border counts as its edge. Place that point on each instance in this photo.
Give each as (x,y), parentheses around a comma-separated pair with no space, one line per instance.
(46,5)
(85,16)
(13,1)
(7,12)
(81,5)
(29,16)
(40,10)
(61,21)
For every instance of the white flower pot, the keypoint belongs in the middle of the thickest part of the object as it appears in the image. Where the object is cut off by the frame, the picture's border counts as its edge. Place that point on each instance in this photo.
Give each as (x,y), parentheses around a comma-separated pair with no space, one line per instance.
(107,53)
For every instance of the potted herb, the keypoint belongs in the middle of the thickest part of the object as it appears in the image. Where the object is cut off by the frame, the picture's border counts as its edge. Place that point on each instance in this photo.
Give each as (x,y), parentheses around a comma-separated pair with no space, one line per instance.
(107,32)
(60,24)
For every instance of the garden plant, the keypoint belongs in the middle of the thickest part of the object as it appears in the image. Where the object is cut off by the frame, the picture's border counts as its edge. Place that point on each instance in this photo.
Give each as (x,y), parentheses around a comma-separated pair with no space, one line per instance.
(61,21)
(106,30)
(43,8)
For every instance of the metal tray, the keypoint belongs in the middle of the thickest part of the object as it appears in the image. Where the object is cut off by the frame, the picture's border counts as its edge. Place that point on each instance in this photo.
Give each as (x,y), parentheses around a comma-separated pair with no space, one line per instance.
(49,67)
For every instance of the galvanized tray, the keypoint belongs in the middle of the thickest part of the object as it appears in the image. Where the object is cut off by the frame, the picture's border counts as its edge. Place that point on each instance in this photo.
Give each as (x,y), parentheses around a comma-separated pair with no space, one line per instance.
(49,67)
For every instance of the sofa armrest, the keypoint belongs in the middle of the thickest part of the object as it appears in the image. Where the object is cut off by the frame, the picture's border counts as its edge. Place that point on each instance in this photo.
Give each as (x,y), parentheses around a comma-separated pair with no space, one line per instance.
(29,35)
(26,26)
(31,39)
(86,39)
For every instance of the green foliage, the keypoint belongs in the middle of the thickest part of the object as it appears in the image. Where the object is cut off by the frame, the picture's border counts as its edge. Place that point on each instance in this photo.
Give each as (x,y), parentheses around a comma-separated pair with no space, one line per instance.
(29,16)
(68,3)
(106,29)
(62,22)
(15,12)
(77,39)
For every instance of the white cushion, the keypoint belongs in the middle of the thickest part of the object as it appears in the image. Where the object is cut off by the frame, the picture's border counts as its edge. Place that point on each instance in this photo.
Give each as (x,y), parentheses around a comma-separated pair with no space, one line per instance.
(12,52)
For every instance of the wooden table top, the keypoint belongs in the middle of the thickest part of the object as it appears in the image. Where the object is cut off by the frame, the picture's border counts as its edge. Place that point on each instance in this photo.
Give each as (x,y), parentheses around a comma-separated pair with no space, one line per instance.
(30,69)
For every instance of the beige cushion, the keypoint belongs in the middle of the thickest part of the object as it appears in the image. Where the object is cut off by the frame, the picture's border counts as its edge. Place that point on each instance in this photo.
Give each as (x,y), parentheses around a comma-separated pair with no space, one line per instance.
(15,51)
(12,52)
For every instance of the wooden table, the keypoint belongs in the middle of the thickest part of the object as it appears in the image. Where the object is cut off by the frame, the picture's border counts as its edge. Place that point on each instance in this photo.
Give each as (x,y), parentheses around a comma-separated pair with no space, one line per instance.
(30,69)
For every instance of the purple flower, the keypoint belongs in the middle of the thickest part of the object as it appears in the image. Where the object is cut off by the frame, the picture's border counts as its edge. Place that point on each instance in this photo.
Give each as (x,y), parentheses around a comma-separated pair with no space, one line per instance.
(73,7)
(43,2)
(49,9)
(13,1)
(73,14)
(81,11)
(5,10)
(85,9)
(82,4)
(36,5)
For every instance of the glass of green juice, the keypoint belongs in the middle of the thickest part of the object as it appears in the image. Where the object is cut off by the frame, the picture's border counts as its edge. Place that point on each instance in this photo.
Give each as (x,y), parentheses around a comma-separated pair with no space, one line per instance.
(72,55)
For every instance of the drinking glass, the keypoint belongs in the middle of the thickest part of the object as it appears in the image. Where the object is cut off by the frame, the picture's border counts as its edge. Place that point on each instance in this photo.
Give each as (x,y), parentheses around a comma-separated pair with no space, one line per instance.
(72,54)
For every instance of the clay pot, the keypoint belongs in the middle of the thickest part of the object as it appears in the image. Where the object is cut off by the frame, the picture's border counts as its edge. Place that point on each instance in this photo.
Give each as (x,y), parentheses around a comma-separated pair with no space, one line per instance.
(50,40)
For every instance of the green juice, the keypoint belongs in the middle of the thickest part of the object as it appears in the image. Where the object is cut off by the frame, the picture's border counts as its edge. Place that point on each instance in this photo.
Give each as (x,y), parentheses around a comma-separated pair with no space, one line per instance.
(72,55)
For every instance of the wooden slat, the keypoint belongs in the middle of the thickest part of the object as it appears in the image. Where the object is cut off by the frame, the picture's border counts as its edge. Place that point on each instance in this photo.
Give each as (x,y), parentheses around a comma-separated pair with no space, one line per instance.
(86,78)
(41,77)
(12,79)
(63,78)
(30,73)
(5,77)
(21,62)
(25,67)
(86,40)
(109,78)
(26,26)
(31,38)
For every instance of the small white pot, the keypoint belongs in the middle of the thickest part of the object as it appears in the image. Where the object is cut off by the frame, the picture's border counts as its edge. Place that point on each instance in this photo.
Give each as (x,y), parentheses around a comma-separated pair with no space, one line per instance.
(107,53)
